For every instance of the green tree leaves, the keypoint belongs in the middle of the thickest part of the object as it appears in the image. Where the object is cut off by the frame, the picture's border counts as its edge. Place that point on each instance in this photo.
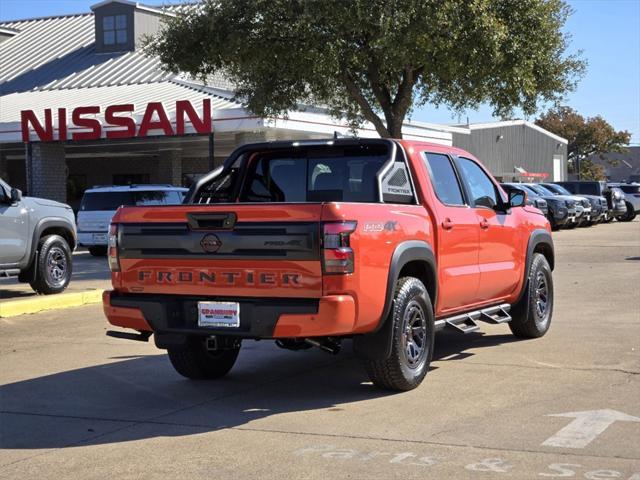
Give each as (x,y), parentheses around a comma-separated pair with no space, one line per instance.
(586,136)
(375,59)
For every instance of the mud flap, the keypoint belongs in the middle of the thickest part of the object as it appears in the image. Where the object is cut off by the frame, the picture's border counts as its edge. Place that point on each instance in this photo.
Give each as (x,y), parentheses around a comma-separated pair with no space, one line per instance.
(376,345)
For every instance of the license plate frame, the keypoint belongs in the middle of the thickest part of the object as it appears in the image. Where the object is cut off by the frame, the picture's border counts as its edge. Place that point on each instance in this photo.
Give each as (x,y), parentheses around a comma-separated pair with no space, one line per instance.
(213,314)
(100,238)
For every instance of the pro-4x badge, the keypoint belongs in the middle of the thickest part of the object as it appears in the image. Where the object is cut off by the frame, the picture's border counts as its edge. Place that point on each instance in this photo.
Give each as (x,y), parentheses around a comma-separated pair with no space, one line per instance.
(210,243)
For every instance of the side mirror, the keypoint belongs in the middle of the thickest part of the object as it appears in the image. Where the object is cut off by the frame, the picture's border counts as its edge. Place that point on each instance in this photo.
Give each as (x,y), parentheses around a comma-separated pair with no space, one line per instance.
(517,198)
(16,195)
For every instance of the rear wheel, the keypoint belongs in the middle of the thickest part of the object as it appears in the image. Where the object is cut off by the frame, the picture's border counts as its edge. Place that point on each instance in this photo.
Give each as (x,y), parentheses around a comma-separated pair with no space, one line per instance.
(98,250)
(54,265)
(196,362)
(531,316)
(412,342)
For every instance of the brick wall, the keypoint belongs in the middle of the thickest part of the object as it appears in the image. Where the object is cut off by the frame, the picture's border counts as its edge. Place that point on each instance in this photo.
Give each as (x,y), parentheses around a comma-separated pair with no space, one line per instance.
(47,172)
(169,167)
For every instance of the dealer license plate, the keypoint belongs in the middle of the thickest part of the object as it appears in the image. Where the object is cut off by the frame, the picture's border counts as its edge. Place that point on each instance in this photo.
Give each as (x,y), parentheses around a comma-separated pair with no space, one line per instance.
(219,314)
(100,238)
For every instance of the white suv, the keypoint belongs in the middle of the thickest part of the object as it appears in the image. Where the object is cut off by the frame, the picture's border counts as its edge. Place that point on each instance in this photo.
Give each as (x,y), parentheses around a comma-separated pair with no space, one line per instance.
(100,203)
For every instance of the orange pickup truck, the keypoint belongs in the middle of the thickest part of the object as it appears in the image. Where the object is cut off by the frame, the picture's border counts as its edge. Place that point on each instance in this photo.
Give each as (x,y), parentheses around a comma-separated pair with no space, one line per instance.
(312,242)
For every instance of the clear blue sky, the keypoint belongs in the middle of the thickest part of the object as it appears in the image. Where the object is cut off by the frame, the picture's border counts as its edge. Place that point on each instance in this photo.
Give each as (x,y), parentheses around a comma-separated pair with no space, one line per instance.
(608,32)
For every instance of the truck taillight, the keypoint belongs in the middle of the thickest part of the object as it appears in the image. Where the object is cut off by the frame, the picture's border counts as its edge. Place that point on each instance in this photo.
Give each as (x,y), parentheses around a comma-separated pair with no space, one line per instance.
(337,254)
(112,246)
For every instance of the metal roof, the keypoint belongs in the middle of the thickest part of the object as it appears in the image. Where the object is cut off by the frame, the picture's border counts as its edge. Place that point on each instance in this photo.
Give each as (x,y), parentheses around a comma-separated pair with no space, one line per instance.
(167,92)
(57,53)
(513,123)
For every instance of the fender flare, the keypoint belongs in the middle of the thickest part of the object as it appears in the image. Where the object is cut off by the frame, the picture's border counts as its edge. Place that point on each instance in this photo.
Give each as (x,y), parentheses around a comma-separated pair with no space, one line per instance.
(41,226)
(376,345)
(538,237)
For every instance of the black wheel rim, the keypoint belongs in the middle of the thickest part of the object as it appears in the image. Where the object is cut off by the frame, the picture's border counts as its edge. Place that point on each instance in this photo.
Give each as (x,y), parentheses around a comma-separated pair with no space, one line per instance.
(414,334)
(541,295)
(57,267)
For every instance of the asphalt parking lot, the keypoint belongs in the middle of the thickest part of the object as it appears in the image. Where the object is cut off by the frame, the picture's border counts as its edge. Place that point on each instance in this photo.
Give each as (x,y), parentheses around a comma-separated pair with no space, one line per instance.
(77,404)
(88,273)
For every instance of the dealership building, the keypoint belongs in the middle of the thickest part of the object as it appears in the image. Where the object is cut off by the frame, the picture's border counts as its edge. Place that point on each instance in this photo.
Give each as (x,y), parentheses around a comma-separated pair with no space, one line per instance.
(82,105)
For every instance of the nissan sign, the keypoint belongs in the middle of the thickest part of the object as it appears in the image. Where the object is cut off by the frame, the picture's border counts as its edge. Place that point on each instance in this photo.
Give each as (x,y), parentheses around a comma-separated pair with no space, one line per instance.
(118,122)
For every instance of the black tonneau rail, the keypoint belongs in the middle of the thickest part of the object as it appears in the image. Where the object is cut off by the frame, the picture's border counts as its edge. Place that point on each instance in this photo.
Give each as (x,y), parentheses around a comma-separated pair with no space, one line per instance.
(245,241)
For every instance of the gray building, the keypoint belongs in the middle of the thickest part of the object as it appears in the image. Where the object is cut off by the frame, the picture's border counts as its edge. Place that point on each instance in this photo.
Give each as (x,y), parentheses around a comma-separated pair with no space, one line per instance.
(620,167)
(516,150)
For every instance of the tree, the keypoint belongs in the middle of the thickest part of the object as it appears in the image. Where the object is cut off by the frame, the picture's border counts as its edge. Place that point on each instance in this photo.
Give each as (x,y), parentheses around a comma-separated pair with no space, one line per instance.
(586,137)
(375,60)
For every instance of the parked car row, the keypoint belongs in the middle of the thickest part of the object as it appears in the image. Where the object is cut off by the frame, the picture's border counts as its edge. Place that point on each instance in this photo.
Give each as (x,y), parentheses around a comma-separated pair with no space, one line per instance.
(581,203)
(38,236)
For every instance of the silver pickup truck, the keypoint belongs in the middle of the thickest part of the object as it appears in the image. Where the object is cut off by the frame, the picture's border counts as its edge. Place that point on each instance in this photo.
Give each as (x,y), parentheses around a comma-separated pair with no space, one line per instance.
(37,237)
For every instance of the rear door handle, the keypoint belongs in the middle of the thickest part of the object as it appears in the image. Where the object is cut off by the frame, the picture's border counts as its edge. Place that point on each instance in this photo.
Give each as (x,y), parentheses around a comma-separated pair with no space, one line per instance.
(447,224)
(484,224)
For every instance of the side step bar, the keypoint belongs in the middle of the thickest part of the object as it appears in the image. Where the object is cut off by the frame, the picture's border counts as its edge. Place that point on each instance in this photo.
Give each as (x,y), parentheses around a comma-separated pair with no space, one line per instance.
(467,322)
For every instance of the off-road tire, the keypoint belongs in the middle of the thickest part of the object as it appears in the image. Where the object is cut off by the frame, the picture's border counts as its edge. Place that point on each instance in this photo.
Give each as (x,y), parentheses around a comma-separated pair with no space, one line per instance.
(98,251)
(528,319)
(197,363)
(53,265)
(629,216)
(397,372)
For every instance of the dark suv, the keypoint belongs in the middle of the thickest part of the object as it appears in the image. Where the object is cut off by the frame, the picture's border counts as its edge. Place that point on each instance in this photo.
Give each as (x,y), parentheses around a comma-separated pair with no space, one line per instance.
(561,212)
(533,198)
(613,195)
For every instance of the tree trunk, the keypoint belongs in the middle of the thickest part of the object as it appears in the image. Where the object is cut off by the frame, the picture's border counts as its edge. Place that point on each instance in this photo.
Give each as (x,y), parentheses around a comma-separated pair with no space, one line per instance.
(394,126)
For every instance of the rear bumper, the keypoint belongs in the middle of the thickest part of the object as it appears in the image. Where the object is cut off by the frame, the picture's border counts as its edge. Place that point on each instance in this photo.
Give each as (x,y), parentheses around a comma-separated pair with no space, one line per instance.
(172,317)
(87,239)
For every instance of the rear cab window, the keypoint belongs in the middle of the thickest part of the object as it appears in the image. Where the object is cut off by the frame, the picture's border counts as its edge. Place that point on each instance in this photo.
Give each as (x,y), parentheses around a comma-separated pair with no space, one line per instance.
(342,173)
(349,178)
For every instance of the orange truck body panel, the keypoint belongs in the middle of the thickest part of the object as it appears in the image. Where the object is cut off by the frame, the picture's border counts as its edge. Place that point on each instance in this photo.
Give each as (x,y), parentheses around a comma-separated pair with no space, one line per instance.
(476,266)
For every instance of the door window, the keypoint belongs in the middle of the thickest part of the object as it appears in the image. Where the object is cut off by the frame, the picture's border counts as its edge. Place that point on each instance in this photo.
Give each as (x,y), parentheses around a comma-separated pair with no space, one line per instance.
(483,191)
(444,179)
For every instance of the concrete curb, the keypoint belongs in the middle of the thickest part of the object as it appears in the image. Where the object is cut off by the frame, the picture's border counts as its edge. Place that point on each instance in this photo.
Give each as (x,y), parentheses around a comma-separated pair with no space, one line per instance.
(14,308)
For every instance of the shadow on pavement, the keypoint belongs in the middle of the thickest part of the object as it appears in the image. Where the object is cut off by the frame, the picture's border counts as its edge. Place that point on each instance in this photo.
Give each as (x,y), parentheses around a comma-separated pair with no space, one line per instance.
(88,404)
(88,273)
(6,294)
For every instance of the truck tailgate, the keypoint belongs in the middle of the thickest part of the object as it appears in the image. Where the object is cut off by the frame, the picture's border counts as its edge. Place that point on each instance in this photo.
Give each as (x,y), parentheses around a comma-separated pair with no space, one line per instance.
(225,250)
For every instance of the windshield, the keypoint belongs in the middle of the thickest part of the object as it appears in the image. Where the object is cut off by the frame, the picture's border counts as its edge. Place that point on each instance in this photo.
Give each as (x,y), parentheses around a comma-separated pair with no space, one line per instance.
(540,190)
(558,189)
(528,189)
(95,201)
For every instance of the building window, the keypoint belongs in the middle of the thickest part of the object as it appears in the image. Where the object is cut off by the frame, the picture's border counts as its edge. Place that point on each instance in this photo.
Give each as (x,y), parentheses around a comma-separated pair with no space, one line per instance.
(114,29)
